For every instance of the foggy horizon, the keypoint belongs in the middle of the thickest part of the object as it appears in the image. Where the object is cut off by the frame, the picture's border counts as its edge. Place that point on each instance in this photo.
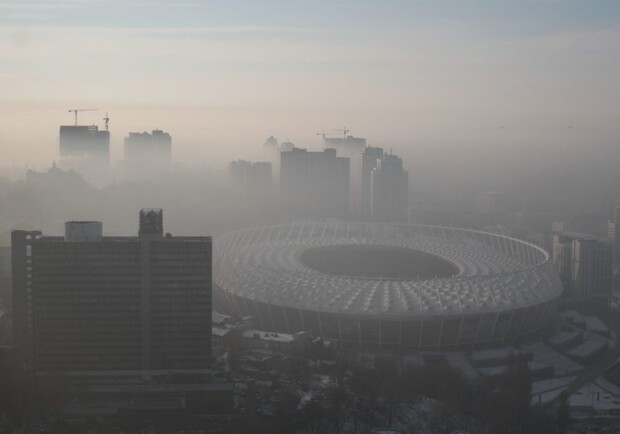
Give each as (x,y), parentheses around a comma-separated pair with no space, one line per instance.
(479,77)
(339,217)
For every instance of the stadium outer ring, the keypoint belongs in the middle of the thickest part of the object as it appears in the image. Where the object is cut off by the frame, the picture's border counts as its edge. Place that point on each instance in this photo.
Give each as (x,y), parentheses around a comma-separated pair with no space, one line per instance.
(506,289)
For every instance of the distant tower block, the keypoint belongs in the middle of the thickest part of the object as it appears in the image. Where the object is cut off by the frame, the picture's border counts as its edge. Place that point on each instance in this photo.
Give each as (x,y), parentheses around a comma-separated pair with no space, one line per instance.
(84,141)
(151,221)
(347,146)
(155,147)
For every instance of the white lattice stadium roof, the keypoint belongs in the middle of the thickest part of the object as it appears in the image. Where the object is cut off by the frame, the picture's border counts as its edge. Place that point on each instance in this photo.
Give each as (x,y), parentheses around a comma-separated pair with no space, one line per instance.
(496,272)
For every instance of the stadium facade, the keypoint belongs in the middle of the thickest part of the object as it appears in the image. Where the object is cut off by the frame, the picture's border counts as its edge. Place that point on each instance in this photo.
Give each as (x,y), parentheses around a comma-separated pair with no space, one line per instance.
(379,286)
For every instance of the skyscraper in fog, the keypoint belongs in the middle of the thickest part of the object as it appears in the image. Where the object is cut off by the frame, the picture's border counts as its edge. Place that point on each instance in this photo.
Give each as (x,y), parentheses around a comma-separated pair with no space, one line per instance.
(389,190)
(349,146)
(314,184)
(251,178)
(584,265)
(148,148)
(137,305)
(361,181)
(613,232)
(84,141)
(271,153)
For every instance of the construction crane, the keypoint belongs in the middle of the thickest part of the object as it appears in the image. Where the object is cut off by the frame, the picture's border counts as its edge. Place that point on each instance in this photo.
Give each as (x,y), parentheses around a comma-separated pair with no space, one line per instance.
(80,110)
(322,134)
(344,132)
(106,120)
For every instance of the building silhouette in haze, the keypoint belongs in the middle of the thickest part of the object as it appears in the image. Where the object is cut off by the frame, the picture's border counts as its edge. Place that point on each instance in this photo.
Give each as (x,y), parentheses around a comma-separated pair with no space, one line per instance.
(349,146)
(584,265)
(314,184)
(389,190)
(155,147)
(252,179)
(361,170)
(84,141)
(132,307)
(613,232)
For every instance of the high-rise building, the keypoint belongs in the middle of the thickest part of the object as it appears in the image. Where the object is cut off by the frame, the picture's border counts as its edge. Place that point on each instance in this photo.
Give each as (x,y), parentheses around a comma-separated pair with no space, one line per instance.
(613,232)
(148,148)
(84,141)
(286,146)
(349,146)
(263,176)
(584,265)
(361,181)
(314,184)
(251,178)
(271,150)
(592,269)
(389,190)
(133,306)
(489,202)
(21,276)
(563,256)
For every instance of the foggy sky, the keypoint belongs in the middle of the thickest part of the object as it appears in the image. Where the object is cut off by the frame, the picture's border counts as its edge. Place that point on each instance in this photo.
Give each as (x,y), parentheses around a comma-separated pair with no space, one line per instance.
(495,79)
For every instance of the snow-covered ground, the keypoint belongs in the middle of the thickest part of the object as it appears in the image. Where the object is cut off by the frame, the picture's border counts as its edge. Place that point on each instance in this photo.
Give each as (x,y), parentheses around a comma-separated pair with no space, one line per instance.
(562,365)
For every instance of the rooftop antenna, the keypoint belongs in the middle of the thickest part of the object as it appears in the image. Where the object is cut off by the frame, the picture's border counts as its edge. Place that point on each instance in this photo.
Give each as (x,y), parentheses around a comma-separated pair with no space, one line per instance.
(80,110)
(106,120)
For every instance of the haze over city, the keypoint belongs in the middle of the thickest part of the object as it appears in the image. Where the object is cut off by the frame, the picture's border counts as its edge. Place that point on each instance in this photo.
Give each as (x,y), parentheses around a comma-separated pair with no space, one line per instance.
(494,77)
(343,217)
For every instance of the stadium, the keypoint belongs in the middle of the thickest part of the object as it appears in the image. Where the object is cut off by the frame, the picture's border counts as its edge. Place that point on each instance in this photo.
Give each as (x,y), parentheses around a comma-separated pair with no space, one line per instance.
(376,286)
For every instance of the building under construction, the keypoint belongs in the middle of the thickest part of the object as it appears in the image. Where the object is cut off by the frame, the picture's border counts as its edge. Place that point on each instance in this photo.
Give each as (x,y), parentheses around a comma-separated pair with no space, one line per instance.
(79,141)
(84,141)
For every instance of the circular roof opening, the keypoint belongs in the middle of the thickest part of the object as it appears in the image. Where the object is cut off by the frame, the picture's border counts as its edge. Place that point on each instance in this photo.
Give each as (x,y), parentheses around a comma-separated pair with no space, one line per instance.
(377,262)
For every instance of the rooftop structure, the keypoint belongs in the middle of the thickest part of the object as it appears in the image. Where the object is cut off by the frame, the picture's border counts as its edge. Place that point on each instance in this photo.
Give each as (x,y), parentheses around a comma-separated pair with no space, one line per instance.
(347,146)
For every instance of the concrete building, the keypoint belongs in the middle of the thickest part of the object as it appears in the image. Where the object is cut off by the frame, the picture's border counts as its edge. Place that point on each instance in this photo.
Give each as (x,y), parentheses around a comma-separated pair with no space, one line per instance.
(613,233)
(349,146)
(489,202)
(92,305)
(562,254)
(584,265)
(592,269)
(5,278)
(251,178)
(314,184)
(389,190)
(271,153)
(84,141)
(361,173)
(155,147)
